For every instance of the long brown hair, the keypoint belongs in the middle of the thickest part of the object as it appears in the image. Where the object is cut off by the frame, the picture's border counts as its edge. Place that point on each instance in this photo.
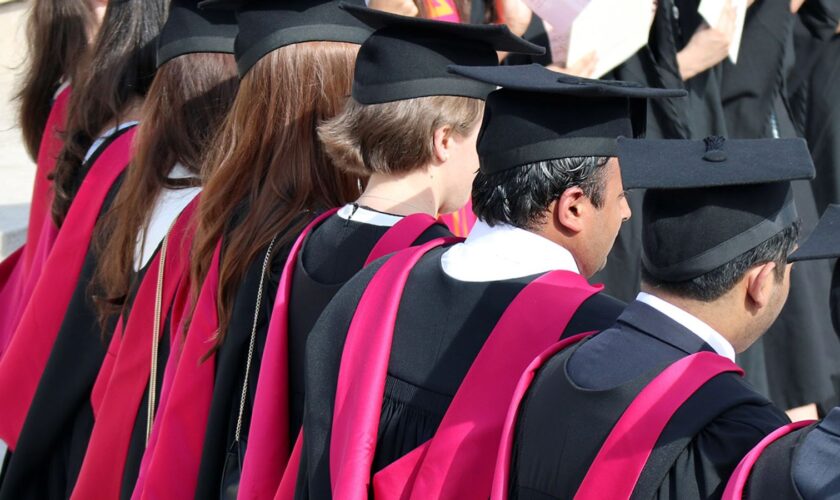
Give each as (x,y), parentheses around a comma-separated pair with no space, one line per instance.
(268,160)
(120,68)
(57,32)
(186,104)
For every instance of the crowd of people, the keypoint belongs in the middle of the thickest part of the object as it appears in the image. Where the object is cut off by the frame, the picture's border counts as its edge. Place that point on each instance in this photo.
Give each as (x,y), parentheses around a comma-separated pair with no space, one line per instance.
(400,249)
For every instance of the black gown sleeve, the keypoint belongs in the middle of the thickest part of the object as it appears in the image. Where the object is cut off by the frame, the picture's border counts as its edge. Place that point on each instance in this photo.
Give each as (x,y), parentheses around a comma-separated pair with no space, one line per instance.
(771,475)
(815,105)
(433,233)
(750,88)
(815,468)
(323,359)
(597,313)
(703,468)
(821,17)
(693,457)
(800,465)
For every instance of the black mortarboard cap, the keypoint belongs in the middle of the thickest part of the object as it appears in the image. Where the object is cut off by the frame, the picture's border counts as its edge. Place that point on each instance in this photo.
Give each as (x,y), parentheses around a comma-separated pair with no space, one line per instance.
(267,25)
(539,115)
(824,241)
(189,29)
(710,201)
(407,57)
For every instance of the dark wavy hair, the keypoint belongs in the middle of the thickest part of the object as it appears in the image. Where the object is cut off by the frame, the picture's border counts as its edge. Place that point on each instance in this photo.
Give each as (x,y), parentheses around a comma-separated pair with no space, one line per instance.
(187,102)
(57,32)
(714,284)
(120,68)
(521,196)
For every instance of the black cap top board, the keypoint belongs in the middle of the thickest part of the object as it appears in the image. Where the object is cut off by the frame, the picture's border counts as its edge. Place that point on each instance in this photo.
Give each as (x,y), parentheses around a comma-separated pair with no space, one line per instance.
(539,114)
(710,201)
(407,57)
(267,25)
(189,29)
(824,241)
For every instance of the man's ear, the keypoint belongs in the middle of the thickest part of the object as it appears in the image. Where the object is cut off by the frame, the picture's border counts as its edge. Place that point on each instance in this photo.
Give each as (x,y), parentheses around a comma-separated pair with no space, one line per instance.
(761,281)
(442,144)
(570,209)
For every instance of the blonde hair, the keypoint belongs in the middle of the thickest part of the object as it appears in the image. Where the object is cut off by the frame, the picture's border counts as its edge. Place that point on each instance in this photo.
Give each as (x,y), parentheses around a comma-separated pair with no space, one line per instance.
(394,137)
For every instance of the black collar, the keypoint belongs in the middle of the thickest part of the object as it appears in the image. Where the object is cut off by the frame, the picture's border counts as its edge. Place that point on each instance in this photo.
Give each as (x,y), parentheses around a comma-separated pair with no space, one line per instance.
(653,323)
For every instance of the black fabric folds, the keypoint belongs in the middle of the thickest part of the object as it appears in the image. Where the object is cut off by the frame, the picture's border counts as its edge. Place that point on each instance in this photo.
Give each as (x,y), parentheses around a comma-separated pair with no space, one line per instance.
(441,326)
(579,394)
(189,30)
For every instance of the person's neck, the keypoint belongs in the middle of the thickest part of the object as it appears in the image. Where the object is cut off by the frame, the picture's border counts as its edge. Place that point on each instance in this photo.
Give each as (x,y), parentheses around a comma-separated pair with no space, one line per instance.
(717,313)
(406,194)
(567,241)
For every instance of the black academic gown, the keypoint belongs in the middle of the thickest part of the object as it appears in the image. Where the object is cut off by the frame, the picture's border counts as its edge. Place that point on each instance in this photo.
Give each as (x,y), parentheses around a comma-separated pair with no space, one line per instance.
(580,393)
(751,91)
(795,361)
(334,252)
(814,94)
(231,360)
(55,434)
(699,115)
(751,88)
(694,117)
(441,326)
(801,465)
(319,276)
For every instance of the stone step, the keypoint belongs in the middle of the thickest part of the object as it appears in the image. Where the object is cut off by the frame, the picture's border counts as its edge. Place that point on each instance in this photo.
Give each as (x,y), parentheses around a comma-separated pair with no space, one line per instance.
(13,220)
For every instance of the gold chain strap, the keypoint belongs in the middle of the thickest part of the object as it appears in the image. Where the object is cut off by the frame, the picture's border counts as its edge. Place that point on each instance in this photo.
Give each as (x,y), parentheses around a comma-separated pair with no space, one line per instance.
(244,396)
(150,411)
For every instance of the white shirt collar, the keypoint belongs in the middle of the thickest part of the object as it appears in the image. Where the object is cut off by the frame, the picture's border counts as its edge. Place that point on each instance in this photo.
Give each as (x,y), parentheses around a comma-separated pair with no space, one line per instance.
(61,88)
(504,252)
(698,327)
(104,137)
(364,215)
(168,206)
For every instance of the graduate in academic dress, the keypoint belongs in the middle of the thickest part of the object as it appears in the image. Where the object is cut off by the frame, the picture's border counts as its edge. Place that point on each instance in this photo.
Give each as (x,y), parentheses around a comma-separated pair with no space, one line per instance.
(460,221)
(270,178)
(410,128)
(58,33)
(550,200)
(47,372)
(798,461)
(191,94)
(717,234)
(683,52)
(794,363)
(815,105)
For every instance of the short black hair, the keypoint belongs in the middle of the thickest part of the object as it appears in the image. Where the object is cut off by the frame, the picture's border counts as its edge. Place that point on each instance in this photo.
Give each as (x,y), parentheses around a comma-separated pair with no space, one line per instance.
(521,196)
(716,283)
